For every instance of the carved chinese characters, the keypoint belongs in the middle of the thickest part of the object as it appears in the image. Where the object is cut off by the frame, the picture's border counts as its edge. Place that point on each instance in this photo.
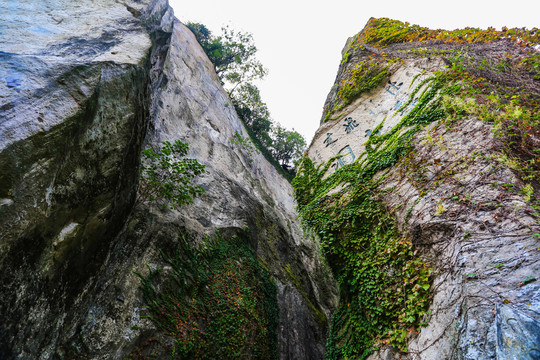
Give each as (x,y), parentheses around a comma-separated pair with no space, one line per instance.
(350,124)
(343,137)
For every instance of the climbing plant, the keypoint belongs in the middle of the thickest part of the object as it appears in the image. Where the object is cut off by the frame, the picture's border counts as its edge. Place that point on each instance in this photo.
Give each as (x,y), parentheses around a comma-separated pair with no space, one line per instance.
(215,302)
(384,286)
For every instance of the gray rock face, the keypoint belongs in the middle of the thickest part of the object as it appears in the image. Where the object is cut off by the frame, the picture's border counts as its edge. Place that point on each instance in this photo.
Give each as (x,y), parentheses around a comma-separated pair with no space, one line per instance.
(83,87)
(481,247)
(450,196)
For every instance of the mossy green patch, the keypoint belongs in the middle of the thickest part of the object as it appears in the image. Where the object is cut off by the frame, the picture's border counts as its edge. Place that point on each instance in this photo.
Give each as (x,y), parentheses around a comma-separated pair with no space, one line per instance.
(384,31)
(315,309)
(216,302)
(363,77)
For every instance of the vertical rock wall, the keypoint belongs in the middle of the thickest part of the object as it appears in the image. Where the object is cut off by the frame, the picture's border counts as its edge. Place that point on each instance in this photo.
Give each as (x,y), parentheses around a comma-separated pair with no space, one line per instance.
(84,87)
(447,175)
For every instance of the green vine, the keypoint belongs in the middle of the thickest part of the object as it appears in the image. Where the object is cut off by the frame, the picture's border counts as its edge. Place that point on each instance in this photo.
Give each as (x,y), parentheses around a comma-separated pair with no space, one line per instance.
(384,287)
(216,302)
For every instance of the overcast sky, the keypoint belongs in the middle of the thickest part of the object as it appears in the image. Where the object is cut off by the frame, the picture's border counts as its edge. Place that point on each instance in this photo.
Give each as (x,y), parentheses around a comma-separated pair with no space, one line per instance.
(300,42)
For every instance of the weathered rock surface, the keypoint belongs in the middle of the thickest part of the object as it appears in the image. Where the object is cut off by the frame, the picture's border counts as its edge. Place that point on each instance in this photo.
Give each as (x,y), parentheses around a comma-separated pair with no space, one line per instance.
(450,196)
(483,250)
(84,88)
(356,122)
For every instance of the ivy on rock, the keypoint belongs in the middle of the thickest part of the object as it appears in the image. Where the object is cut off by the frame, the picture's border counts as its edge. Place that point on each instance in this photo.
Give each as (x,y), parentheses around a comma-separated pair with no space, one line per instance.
(214,302)
(384,286)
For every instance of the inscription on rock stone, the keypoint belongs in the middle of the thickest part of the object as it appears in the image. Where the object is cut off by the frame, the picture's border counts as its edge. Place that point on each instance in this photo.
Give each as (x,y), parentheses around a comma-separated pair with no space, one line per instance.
(344,138)
(329,141)
(350,124)
(345,156)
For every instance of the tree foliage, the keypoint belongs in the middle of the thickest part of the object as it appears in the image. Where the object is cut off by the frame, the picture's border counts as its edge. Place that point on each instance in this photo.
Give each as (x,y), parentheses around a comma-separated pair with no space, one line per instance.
(288,146)
(253,112)
(233,56)
(232,53)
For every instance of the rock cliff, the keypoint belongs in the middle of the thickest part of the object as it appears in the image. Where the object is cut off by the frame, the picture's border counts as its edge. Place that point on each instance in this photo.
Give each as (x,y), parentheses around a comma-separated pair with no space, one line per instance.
(85,87)
(422,182)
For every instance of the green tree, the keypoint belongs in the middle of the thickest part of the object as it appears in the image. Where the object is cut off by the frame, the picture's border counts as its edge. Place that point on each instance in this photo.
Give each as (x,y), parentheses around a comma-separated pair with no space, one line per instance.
(202,34)
(233,56)
(166,176)
(287,146)
(253,112)
(232,53)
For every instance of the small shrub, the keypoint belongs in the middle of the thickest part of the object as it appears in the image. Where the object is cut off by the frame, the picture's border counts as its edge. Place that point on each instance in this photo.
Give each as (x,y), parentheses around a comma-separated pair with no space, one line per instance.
(166,177)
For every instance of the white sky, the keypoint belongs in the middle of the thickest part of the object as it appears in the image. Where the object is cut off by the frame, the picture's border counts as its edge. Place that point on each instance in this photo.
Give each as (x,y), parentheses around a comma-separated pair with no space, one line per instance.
(300,42)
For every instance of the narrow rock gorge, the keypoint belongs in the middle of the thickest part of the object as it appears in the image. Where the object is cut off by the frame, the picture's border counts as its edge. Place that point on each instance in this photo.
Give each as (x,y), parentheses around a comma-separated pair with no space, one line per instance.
(410,232)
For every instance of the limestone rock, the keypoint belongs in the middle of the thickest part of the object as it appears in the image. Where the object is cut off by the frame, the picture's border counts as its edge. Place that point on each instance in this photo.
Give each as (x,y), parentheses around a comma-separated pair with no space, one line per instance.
(453,193)
(84,87)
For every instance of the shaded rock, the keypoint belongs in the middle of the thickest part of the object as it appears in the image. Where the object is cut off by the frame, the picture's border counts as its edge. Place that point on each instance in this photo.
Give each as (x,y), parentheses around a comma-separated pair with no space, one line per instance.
(86,87)
(518,335)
